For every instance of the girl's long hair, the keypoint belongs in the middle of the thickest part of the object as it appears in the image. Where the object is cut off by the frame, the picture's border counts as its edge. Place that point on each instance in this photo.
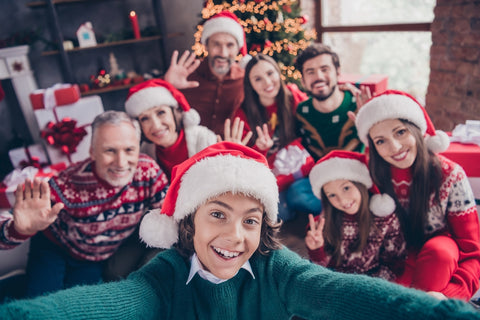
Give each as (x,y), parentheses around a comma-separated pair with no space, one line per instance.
(332,231)
(426,180)
(256,113)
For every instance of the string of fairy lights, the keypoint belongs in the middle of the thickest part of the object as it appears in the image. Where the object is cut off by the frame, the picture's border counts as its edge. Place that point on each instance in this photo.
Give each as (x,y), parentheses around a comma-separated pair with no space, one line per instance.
(252,25)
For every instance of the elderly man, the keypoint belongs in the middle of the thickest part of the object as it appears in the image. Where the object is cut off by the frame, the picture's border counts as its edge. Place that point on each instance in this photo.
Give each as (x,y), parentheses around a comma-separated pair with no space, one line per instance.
(99,203)
(214,86)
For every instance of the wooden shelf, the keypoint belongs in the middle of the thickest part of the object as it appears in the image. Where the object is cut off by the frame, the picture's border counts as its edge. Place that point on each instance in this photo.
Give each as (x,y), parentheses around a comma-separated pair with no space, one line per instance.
(39,4)
(113,44)
(107,89)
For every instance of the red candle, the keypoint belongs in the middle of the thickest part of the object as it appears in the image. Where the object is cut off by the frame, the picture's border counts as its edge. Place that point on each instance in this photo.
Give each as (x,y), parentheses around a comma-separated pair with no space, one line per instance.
(134,21)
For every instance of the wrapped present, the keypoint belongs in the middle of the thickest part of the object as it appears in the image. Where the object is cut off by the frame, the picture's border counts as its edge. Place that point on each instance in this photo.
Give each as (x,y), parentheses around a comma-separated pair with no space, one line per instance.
(17,176)
(67,130)
(376,82)
(33,155)
(58,95)
(291,163)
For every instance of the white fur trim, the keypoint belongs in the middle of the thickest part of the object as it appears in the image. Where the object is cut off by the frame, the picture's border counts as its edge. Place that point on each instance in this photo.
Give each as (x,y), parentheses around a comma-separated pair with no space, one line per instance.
(225,25)
(148,98)
(226,173)
(338,168)
(382,205)
(158,230)
(190,118)
(388,106)
(439,142)
(198,138)
(244,61)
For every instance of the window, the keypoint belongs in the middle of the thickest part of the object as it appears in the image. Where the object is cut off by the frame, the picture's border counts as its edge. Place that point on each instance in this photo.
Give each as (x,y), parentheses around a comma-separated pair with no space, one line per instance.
(379,37)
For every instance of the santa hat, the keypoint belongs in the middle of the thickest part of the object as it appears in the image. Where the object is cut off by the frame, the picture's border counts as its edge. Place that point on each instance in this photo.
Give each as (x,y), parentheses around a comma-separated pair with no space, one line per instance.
(156,92)
(393,104)
(217,169)
(348,165)
(227,22)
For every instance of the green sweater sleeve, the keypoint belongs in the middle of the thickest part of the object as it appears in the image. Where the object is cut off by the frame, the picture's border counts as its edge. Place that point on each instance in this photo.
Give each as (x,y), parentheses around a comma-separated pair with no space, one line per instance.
(314,292)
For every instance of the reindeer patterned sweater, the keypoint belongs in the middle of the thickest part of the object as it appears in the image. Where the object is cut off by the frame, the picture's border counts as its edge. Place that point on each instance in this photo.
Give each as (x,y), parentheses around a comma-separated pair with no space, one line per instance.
(383,256)
(97,217)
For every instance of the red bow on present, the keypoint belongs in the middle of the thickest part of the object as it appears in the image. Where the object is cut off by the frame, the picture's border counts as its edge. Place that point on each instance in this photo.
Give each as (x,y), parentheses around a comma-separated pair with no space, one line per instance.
(64,135)
(31,162)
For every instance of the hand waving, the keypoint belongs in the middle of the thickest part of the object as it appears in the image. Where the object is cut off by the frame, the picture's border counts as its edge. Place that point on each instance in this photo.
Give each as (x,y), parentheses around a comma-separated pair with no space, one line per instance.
(314,238)
(179,71)
(234,132)
(264,141)
(33,211)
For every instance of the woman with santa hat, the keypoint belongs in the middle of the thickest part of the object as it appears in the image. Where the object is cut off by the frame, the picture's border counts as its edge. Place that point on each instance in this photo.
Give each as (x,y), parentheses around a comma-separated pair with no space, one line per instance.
(170,127)
(435,202)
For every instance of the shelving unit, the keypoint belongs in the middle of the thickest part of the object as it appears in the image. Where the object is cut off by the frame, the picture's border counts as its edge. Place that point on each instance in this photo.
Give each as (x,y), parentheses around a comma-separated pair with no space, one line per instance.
(68,74)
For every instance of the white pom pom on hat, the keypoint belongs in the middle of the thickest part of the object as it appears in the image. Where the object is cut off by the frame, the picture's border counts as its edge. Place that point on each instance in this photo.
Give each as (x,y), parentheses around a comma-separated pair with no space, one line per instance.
(394,104)
(157,92)
(220,168)
(348,165)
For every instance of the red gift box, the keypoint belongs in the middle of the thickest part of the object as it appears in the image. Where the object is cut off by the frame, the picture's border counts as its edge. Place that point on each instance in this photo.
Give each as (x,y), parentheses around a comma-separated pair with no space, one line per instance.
(291,163)
(62,94)
(9,184)
(376,82)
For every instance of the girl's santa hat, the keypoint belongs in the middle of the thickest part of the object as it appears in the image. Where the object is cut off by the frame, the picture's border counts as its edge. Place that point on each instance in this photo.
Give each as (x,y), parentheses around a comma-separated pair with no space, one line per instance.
(227,22)
(157,92)
(393,104)
(348,165)
(219,168)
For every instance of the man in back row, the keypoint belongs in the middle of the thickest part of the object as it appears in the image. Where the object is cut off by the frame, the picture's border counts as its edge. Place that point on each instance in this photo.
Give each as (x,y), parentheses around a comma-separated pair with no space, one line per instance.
(215,85)
(98,204)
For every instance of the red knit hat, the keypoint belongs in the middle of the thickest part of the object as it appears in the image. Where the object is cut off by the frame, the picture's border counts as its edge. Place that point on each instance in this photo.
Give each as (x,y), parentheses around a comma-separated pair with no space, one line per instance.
(156,92)
(348,165)
(227,22)
(217,169)
(393,104)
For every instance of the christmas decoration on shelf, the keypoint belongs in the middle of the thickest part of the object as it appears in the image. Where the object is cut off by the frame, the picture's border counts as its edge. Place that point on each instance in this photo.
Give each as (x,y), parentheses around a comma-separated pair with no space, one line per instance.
(134,22)
(272,27)
(101,80)
(86,36)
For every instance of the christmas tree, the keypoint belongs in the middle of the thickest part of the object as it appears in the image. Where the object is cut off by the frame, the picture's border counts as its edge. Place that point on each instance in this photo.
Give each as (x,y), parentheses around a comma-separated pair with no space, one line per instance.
(272,27)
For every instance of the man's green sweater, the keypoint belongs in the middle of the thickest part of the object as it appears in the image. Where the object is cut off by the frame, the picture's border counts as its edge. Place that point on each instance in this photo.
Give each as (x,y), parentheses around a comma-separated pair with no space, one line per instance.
(284,285)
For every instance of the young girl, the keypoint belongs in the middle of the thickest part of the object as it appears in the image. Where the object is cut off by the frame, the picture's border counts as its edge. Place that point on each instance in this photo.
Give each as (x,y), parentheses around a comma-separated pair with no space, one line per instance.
(220,213)
(435,202)
(359,233)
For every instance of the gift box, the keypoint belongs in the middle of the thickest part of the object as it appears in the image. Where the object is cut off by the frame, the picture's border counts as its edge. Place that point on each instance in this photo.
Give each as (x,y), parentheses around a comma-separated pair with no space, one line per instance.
(33,155)
(467,155)
(17,176)
(376,82)
(57,95)
(61,127)
(291,163)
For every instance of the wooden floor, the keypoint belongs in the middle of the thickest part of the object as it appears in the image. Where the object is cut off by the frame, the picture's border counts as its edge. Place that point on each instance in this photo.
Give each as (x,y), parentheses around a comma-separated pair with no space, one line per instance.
(292,234)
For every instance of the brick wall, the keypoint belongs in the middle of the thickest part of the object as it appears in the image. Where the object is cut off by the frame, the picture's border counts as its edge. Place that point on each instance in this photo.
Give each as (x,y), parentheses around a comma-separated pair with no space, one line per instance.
(453,93)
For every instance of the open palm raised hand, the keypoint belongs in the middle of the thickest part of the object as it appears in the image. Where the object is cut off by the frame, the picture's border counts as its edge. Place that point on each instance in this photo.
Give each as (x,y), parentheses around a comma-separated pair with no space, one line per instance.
(33,211)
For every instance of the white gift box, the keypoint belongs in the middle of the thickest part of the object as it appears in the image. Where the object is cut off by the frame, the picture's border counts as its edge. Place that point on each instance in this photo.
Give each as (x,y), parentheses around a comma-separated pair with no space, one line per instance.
(84,112)
(19,155)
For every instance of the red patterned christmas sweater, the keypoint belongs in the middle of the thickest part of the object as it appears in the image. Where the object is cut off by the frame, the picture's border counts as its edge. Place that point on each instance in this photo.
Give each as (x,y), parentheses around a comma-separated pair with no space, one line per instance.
(383,256)
(456,217)
(97,217)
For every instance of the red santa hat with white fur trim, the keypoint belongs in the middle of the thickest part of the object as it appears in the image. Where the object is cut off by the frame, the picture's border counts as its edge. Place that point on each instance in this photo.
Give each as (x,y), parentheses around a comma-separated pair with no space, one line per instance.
(348,165)
(227,22)
(217,169)
(393,104)
(157,92)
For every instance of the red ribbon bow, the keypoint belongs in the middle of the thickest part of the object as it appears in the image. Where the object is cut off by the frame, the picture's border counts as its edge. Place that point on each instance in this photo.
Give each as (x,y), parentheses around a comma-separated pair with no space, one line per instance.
(64,135)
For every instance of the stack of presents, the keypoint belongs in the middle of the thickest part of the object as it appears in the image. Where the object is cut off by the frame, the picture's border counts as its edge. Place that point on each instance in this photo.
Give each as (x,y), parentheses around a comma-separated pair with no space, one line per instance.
(64,119)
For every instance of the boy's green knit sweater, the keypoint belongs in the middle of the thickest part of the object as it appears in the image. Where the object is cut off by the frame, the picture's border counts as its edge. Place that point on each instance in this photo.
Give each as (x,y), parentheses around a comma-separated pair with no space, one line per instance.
(284,285)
